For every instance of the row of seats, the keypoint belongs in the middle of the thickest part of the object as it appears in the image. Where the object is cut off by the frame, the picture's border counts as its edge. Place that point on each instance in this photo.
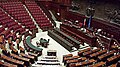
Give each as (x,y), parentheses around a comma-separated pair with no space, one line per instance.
(92,58)
(9,27)
(16,57)
(93,38)
(20,14)
(19,59)
(78,35)
(68,32)
(68,38)
(18,11)
(61,40)
(14,18)
(9,23)
(39,16)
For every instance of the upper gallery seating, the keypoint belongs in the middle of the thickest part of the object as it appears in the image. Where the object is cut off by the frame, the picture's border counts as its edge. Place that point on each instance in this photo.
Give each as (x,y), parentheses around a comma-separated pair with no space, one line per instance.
(18,11)
(39,16)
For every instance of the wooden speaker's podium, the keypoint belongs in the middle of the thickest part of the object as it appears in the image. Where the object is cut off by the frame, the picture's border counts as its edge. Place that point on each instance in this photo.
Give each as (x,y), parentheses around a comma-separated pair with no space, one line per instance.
(51,52)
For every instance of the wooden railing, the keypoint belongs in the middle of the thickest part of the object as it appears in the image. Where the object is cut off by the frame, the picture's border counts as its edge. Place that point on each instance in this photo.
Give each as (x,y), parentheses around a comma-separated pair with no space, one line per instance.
(117,42)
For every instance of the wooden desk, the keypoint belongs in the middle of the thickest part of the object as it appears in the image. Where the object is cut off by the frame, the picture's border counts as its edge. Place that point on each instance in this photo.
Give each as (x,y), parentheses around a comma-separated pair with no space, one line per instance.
(99,64)
(115,47)
(20,58)
(90,52)
(33,54)
(6,64)
(85,63)
(51,53)
(17,62)
(25,60)
(77,60)
(83,59)
(68,31)
(113,59)
(71,61)
(61,40)
(80,35)
(28,56)
(70,58)
(66,56)
(1,39)
(68,38)
(104,40)
(14,50)
(113,65)
(31,46)
(95,55)
(21,49)
(80,53)
(104,56)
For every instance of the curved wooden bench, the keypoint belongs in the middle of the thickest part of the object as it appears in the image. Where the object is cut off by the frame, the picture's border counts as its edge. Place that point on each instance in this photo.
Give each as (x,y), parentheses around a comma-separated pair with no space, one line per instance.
(31,46)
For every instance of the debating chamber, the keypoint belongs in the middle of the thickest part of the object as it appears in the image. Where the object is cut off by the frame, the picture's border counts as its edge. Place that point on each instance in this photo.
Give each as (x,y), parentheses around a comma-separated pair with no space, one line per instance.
(59,33)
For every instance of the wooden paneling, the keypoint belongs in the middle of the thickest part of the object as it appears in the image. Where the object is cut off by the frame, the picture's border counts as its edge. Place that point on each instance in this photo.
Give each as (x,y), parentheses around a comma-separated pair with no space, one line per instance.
(107,27)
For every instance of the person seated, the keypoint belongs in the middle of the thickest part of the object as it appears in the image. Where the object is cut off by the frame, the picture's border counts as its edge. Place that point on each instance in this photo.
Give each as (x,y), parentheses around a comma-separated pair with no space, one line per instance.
(48,40)
(40,40)
(37,43)
(44,39)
